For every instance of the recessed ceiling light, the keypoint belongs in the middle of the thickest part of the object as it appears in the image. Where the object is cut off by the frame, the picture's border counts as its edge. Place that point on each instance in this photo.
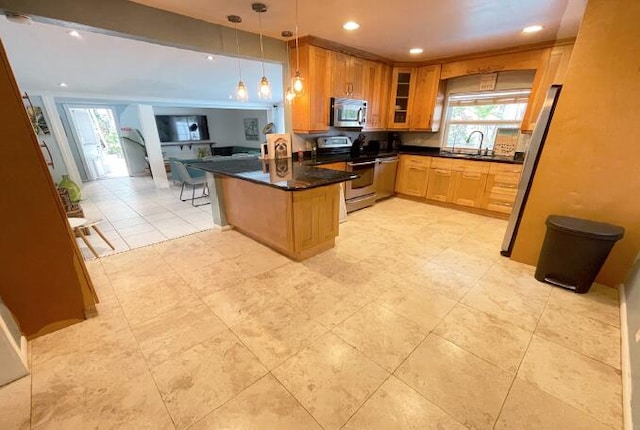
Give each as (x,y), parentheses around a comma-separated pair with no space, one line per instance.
(73,33)
(415,51)
(210,57)
(63,84)
(532,29)
(351,25)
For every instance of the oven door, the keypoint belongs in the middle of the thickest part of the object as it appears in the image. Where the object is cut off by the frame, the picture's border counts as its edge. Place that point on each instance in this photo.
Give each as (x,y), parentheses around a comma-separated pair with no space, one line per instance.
(365,184)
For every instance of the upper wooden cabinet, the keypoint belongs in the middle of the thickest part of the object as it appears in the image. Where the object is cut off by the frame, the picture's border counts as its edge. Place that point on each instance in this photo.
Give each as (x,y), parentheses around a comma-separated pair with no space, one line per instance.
(551,70)
(311,109)
(526,60)
(417,97)
(376,93)
(347,76)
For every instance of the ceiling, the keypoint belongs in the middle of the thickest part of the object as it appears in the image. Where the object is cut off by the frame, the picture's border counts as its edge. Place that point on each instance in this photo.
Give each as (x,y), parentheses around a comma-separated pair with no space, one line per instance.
(389,28)
(44,55)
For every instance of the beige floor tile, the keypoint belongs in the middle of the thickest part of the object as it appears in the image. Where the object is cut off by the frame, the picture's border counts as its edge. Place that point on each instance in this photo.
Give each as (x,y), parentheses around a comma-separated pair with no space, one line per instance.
(420,306)
(214,277)
(397,406)
(62,385)
(600,303)
(198,380)
(177,330)
(129,281)
(462,262)
(331,380)
(15,405)
(441,281)
(106,324)
(381,335)
(188,254)
(329,302)
(237,302)
(590,337)
(266,405)
(516,306)
(103,288)
(277,333)
(134,404)
(529,408)
(463,385)
(260,261)
(496,341)
(145,303)
(586,384)
(291,278)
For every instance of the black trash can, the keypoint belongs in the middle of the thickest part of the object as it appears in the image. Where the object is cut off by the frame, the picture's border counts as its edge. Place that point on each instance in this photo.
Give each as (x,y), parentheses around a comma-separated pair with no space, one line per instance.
(574,251)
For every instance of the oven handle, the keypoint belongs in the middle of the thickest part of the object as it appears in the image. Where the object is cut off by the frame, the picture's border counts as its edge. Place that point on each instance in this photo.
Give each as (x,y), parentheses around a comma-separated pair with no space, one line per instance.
(361,116)
(388,160)
(367,163)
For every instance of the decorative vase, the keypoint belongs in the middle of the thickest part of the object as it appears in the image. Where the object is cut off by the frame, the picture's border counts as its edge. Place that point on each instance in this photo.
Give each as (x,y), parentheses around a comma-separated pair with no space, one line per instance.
(72,187)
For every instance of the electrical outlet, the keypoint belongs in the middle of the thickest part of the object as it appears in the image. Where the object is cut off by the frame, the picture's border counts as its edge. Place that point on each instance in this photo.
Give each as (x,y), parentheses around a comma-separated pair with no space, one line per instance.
(638,336)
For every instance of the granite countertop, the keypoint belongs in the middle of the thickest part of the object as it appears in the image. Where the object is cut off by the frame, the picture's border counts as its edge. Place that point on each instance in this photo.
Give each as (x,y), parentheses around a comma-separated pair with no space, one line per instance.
(284,174)
(435,152)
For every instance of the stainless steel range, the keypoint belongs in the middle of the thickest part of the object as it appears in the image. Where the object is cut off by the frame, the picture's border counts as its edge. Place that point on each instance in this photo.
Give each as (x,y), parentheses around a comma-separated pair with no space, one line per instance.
(360,192)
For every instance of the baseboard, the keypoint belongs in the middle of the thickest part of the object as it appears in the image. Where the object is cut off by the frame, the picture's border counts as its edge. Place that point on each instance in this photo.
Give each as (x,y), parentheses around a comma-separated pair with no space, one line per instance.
(625,361)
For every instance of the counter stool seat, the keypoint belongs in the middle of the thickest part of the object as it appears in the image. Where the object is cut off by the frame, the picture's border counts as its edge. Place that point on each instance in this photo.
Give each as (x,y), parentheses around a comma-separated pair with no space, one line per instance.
(78,224)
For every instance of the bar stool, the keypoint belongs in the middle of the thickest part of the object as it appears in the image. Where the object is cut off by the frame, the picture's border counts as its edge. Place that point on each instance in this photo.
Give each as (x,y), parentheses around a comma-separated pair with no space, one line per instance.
(78,224)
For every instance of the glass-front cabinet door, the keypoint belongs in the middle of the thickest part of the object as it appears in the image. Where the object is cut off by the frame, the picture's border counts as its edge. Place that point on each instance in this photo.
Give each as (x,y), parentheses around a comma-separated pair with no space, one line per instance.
(403,81)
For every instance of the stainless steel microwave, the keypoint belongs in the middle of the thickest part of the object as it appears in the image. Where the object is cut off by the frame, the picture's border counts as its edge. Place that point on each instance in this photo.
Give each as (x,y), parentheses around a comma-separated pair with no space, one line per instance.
(348,113)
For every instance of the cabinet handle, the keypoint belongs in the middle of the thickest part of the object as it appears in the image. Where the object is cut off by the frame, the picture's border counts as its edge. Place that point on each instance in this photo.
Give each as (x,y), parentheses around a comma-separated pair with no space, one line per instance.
(471,175)
(498,184)
(502,204)
(443,172)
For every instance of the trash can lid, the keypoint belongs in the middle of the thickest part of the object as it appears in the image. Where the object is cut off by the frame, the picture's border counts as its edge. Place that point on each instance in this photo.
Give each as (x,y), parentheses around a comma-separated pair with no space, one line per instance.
(585,227)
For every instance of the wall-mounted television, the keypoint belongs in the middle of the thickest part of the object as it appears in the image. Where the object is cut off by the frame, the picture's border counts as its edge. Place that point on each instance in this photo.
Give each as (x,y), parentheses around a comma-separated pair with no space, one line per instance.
(182,128)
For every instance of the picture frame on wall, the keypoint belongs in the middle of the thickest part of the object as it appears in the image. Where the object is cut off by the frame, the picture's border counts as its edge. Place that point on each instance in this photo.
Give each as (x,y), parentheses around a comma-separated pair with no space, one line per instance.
(251,130)
(278,145)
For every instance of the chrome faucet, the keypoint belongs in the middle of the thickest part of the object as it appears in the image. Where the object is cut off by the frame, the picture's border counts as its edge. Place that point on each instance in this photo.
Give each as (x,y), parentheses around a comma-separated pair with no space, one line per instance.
(481,139)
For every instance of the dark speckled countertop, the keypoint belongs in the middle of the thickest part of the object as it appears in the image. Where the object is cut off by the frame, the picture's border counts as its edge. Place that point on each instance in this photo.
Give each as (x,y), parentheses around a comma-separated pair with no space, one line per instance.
(285,174)
(435,152)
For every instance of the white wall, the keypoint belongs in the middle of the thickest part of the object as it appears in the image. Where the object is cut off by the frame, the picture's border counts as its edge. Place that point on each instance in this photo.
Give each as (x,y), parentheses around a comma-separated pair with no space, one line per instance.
(226,128)
(465,84)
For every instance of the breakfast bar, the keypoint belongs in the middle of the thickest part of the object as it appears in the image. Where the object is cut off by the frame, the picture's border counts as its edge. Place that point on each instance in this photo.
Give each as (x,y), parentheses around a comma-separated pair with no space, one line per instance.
(286,205)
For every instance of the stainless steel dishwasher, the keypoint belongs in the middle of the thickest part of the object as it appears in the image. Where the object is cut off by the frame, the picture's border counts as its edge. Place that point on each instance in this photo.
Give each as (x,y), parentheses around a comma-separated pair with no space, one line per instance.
(385,176)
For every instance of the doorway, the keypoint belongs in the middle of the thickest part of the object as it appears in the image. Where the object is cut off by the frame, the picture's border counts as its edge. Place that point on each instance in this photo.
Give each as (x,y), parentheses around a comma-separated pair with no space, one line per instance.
(95,132)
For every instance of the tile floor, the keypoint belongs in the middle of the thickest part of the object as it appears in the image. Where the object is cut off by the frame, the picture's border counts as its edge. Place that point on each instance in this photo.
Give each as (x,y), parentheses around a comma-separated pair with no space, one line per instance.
(135,213)
(413,321)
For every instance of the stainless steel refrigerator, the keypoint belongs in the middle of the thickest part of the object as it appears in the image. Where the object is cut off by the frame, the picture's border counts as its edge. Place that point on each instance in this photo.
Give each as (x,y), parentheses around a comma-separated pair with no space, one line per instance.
(532,156)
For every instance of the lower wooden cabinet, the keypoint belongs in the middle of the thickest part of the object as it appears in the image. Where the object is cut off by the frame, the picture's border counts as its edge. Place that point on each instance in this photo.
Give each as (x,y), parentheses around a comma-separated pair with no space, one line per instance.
(413,175)
(441,184)
(474,184)
(468,189)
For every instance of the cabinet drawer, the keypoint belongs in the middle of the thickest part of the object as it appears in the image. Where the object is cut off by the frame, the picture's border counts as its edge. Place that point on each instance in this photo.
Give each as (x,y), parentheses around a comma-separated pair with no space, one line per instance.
(498,206)
(508,180)
(505,168)
(476,166)
(333,166)
(442,163)
(416,160)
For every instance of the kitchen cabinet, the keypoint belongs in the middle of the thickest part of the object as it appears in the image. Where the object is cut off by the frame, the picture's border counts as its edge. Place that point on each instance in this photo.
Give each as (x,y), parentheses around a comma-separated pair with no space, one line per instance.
(376,93)
(403,80)
(310,110)
(428,99)
(552,70)
(417,97)
(413,175)
(470,178)
(502,187)
(526,60)
(441,180)
(347,76)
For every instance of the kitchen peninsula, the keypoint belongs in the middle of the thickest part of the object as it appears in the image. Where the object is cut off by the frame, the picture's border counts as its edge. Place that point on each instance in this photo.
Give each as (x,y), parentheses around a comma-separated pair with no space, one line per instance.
(286,205)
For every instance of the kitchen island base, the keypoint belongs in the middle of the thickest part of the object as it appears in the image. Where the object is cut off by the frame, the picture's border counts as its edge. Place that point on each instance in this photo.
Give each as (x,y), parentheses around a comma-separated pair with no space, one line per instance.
(298,224)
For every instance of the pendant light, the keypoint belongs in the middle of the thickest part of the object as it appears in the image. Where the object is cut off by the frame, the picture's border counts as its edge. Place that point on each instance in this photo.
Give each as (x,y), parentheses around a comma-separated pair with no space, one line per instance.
(289,95)
(297,80)
(264,86)
(241,90)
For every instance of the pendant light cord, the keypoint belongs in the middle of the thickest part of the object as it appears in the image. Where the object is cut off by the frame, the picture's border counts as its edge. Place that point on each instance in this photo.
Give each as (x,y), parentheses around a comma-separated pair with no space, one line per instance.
(261,45)
(238,48)
(297,50)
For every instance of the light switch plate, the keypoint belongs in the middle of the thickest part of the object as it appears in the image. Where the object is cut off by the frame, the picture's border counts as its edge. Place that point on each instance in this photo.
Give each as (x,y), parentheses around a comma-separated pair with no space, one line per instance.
(638,336)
